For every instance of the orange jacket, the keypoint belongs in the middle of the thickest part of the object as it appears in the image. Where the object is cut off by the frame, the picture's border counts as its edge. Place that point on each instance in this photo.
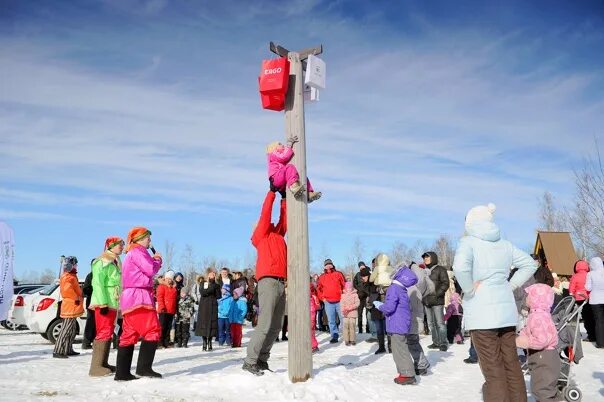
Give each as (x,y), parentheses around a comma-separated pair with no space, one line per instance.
(70,293)
(269,241)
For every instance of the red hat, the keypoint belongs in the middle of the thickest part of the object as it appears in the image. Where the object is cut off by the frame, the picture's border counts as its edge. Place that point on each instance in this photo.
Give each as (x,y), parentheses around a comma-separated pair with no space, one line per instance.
(112,242)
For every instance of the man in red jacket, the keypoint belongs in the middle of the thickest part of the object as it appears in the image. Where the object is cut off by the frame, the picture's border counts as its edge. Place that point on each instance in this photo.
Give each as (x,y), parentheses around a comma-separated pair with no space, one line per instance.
(329,289)
(271,272)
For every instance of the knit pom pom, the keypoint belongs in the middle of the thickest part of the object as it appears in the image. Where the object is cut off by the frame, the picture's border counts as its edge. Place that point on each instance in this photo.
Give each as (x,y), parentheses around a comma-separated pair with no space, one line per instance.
(491,207)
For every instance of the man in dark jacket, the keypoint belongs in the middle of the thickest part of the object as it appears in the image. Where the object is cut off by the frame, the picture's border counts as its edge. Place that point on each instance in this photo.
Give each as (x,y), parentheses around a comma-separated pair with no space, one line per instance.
(434,303)
(362,287)
(329,289)
(90,328)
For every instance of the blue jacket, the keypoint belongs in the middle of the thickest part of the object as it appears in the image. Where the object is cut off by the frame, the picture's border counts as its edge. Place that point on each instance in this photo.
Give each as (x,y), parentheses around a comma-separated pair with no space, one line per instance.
(595,281)
(483,257)
(224,306)
(238,311)
(396,307)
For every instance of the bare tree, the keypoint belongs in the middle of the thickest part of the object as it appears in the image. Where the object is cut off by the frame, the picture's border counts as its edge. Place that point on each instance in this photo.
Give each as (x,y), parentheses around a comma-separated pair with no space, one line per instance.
(587,216)
(551,219)
(399,254)
(47,276)
(187,265)
(168,256)
(445,251)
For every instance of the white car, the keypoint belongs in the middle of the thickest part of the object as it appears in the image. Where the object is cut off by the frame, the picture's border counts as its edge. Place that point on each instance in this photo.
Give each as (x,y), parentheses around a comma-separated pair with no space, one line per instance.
(16,314)
(43,316)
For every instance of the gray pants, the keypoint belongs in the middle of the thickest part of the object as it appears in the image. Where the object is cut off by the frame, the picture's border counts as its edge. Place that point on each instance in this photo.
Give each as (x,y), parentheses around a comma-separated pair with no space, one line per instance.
(271,300)
(401,355)
(415,348)
(544,367)
(435,316)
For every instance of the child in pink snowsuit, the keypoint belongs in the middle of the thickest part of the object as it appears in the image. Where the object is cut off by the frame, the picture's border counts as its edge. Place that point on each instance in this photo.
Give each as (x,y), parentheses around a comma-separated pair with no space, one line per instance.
(281,173)
(539,336)
(314,306)
(453,317)
(350,304)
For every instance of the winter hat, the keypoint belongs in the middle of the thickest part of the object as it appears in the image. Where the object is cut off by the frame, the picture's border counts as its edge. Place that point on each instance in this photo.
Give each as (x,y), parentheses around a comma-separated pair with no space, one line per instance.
(135,234)
(539,296)
(112,242)
(328,262)
(365,271)
(169,275)
(69,264)
(348,286)
(481,213)
(237,293)
(362,264)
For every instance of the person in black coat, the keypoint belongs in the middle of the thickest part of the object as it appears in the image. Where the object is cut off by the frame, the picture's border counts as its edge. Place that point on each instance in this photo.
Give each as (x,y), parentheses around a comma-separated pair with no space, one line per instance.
(207,320)
(90,328)
(361,284)
(179,283)
(434,303)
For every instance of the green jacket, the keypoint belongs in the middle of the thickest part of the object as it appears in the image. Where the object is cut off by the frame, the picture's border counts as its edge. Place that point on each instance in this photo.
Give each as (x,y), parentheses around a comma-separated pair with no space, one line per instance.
(106,281)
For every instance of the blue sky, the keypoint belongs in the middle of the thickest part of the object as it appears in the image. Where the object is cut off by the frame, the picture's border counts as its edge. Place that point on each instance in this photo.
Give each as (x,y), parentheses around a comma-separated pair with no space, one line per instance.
(122,113)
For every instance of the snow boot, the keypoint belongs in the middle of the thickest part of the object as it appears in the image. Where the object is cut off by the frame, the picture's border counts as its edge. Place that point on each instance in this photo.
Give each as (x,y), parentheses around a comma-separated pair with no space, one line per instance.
(96,364)
(296,188)
(433,346)
(73,353)
(106,349)
(86,345)
(263,366)
(210,345)
(444,348)
(252,368)
(145,360)
(205,344)
(381,344)
(59,356)
(402,380)
(469,360)
(124,360)
(389,344)
(314,196)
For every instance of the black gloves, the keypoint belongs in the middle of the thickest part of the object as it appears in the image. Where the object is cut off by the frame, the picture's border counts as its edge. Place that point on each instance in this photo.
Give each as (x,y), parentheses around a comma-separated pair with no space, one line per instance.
(104,310)
(283,193)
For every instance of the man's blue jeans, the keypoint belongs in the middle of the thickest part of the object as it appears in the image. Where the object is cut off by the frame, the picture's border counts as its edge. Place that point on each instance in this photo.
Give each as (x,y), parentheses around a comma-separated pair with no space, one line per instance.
(436,321)
(331,309)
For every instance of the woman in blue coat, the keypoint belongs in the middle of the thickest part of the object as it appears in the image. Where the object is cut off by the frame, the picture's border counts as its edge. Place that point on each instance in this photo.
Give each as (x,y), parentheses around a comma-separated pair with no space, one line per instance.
(482,265)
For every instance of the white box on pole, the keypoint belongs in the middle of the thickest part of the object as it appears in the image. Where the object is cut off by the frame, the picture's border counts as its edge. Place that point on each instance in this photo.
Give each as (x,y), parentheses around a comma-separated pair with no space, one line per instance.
(315,72)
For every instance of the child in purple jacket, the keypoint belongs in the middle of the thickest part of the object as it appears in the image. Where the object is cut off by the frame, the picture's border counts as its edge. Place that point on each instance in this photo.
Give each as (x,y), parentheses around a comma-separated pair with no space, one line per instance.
(397,310)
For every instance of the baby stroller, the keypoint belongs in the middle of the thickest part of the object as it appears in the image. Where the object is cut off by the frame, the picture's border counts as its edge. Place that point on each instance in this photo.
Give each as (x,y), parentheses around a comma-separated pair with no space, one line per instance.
(566,317)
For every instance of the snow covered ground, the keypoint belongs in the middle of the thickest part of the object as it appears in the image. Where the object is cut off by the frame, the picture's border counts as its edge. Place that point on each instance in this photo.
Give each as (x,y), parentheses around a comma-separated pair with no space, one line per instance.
(353,373)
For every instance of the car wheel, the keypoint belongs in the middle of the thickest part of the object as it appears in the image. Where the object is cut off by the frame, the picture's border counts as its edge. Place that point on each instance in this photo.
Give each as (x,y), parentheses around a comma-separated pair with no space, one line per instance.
(54,329)
(11,325)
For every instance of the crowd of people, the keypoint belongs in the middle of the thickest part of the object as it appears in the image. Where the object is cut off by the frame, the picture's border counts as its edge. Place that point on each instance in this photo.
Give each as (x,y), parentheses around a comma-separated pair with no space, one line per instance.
(500,295)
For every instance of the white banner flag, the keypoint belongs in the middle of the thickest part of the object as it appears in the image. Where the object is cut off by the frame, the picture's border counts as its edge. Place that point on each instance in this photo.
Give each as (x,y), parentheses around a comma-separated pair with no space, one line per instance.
(7,258)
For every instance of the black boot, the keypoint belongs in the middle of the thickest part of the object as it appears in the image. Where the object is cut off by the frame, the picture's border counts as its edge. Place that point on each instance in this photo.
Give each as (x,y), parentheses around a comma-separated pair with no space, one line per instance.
(389,344)
(381,344)
(205,343)
(124,360)
(210,344)
(145,360)
(115,340)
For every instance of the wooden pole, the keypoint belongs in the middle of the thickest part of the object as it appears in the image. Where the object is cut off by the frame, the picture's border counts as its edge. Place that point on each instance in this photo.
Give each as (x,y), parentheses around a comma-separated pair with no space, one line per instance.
(298,270)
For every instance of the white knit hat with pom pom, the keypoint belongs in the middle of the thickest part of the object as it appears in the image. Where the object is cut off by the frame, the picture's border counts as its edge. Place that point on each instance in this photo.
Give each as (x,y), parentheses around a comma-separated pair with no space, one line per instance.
(481,213)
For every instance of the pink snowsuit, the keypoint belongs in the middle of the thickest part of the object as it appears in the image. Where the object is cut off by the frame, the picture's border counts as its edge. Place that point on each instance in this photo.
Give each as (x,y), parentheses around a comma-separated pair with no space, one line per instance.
(314,305)
(280,171)
(453,317)
(539,336)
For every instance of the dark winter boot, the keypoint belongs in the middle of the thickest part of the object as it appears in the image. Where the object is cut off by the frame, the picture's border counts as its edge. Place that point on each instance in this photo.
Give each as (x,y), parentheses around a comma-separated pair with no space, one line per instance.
(252,368)
(115,340)
(205,343)
(146,355)
(210,344)
(96,364)
(106,348)
(389,344)
(86,344)
(381,344)
(124,361)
